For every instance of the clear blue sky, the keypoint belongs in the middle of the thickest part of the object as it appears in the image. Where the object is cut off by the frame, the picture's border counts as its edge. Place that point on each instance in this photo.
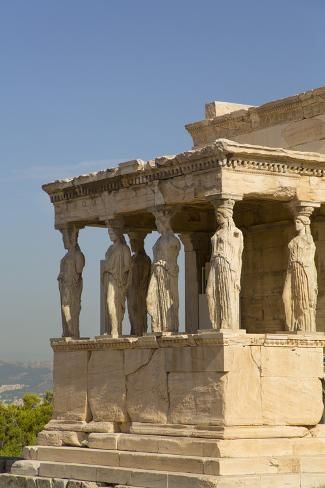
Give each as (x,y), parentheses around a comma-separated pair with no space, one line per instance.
(86,83)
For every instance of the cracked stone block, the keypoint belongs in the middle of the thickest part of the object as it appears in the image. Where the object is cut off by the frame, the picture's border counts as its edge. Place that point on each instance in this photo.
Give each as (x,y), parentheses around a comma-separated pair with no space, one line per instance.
(147,394)
(30,452)
(76,439)
(106,386)
(135,359)
(70,385)
(49,438)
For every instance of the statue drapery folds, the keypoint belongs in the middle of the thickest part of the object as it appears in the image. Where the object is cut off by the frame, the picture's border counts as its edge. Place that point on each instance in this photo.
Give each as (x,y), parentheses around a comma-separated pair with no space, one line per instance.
(70,282)
(115,278)
(300,288)
(138,284)
(223,286)
(163,298)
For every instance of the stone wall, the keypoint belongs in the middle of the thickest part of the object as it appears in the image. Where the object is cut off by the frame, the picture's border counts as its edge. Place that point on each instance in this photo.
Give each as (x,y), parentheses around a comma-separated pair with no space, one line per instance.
(265,261)
(296,122)
(209,382)
(13,481)
(263,276)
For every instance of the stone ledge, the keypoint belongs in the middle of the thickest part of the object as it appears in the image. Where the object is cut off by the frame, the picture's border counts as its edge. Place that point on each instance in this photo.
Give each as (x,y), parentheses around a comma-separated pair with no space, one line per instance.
(298,107)
(188,340)
(171,480)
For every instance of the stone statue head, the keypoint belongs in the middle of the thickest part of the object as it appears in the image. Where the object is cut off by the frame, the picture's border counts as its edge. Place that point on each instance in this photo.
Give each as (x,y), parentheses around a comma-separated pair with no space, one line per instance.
(302,224)
(163,216)
(113,234)
(115,229)
(163,224)
(137,241)
(70,237)
(224,217)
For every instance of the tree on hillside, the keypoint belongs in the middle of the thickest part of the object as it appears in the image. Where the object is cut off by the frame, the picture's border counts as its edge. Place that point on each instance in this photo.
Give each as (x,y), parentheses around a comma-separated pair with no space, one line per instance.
(20,424)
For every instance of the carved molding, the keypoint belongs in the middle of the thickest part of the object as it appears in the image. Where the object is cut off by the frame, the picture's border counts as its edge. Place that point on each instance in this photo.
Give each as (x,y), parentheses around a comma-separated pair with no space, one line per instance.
(185,340)
(295,108)
(220,155)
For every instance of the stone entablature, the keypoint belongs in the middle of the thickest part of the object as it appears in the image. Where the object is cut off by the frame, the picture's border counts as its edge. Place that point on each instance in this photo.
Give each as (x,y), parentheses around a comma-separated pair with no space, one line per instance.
(186,178)
(308,107)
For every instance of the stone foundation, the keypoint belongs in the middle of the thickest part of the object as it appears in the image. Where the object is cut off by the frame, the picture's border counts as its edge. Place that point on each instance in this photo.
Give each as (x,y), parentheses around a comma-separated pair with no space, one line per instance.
(12,481)
(210,379)
(201,411)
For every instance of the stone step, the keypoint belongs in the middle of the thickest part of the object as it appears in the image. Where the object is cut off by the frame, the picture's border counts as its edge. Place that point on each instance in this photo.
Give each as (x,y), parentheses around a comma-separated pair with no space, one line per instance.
(166,462)
(15,481)
(155,444)
(123,459)
(140,478)
(217,432)
(232,448)
(199,447)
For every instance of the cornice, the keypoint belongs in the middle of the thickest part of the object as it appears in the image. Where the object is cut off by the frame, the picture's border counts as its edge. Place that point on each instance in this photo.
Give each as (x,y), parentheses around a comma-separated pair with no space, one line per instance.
(222,153)
(207,338)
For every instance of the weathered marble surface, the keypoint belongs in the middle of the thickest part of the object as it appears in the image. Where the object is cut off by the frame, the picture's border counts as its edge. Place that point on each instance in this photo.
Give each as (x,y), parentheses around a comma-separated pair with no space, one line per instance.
(138,284)
(158,461)
(223,380)
(301,288)
(223,285)
(162,297)
(70,282)
(202,410)
(116,270)
(296,122)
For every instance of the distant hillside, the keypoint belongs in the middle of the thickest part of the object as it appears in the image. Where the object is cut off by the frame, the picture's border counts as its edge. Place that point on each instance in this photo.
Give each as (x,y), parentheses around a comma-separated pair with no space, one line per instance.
(18,378)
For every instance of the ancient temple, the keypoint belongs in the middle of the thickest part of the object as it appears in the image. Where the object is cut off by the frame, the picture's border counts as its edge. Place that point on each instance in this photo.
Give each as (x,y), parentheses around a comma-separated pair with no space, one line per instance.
(236,399)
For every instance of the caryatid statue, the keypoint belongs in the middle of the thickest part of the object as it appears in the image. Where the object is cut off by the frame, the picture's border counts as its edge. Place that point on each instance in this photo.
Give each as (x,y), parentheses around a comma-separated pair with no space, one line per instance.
(223,286)
(300,288)
(115,278)
(162,298)
(138,284)
(70,282)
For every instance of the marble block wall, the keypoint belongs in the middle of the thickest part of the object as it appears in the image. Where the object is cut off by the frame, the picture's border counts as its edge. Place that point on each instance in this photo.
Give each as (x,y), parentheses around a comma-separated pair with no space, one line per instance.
(240,383)
(264,270)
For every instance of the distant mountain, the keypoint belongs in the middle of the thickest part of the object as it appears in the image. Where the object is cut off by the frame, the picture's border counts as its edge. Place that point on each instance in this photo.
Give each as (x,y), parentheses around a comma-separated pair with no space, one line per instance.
(17,378)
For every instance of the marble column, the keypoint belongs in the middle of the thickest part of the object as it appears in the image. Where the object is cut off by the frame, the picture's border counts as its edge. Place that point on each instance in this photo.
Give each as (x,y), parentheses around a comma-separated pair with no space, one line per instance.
(196,249)
(300,287)
(70,281)
(223,287)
